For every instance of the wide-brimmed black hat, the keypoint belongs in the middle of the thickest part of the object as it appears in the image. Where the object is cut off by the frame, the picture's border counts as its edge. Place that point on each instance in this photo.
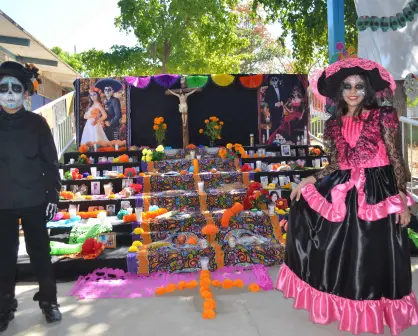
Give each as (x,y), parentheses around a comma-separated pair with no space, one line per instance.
(109,82)
(330,80)
(26,74)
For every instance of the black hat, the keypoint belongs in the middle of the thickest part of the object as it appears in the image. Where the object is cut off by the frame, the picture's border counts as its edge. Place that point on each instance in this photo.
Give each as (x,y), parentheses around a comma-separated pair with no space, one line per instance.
(28,74)
(330,80)
(109,82)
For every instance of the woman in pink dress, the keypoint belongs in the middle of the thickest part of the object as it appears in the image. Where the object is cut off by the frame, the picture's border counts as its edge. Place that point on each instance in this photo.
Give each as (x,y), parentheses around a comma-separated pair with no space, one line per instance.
(293,111)
(347,255)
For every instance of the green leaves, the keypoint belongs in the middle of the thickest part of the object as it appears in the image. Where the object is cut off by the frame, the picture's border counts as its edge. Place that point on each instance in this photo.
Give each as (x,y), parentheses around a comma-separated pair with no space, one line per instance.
(306,22)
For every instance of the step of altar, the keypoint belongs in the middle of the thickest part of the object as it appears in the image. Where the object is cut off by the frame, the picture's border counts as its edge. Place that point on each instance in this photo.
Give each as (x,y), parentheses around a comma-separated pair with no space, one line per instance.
(166,182)
(193,201)
(205,164)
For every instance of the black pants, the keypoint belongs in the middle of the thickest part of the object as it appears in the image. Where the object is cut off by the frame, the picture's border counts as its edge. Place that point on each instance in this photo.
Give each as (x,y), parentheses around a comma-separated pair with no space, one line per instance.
(37,246)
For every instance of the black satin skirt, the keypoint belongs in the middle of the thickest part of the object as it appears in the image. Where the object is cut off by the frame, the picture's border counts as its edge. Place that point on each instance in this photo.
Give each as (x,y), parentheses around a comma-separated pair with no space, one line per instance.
(353,259)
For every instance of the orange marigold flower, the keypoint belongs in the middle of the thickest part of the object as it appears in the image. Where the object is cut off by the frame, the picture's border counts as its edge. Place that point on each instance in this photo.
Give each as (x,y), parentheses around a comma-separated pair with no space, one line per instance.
(208,314)
(209,304)
(192,284)
(205,282)
(170,288)
(239,283)
(161,120)
(205,273)
(181,285)
(206,121)
(165,126)
(227,284)
(160,291)
(254,287)
(216,127)
(200,131)
(206,295)
(216,283)
(219,138)
(229,146)
(221,123)
(156,127)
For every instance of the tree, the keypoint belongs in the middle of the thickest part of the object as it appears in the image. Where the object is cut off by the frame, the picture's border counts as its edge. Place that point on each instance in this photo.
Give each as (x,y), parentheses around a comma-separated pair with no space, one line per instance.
(73,60)
(191,36)
(262,54)
(306,22)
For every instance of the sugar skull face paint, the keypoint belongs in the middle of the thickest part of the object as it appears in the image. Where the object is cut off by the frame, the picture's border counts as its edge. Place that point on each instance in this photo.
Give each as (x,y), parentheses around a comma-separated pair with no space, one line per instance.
(108,91)
(12,92)
(353,90)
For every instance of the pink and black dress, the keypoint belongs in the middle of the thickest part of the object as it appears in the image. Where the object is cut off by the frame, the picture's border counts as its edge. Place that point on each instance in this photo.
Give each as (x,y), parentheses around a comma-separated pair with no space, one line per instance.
(346,258)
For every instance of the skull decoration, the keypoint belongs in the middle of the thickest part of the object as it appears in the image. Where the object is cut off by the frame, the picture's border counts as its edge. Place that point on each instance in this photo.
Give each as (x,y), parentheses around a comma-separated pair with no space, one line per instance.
(375,23)
(409,13)
(12,92)
(108,91)
(401,19)
(394,24)
(363,23)
(384,24)
(274,82)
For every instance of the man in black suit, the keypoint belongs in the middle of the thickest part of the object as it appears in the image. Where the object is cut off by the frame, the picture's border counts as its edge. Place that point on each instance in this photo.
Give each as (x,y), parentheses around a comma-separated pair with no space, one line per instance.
(274,100)
(112,107)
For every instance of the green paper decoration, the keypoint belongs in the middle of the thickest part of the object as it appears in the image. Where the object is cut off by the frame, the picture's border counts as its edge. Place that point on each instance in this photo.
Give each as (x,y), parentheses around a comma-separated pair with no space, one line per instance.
(394,22)
(196,82)
(413,236)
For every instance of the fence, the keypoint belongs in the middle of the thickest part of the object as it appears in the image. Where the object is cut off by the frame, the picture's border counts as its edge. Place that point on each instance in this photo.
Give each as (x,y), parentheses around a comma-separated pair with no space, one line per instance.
(60,117)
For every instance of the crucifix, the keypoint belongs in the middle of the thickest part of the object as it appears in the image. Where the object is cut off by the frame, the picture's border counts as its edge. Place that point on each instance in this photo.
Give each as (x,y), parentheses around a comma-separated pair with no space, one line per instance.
(182,95)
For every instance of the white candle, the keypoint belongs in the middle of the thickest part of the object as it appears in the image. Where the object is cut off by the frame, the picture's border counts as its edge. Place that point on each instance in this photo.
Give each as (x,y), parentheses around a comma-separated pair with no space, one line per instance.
(192,155)
(272,208)
(317,163)
(198,157)
(116,147)
(93,171)
(201,186)
(138,213)
(61,174)
(96,147)
(71,161)
(72,212)
(130,210)
(258,164)
(204,262)
(107,189)
(282,180)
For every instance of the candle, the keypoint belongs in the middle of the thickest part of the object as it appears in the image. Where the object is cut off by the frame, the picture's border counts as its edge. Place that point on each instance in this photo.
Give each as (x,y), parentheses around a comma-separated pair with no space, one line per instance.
(116,147)
(192,155)
(272,208)
(95,147)
(204,263)
(138,213)
(130,210)
(71,161)
(258,164)
(198,157)
(93,171)
(201,186)
(61,174)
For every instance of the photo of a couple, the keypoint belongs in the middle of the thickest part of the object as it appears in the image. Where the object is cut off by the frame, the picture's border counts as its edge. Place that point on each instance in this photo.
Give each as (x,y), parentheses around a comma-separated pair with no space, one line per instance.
(104,119)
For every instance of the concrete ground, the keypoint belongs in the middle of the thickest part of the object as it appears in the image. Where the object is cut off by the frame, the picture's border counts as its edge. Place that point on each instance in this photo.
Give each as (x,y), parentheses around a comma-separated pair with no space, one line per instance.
(249,314)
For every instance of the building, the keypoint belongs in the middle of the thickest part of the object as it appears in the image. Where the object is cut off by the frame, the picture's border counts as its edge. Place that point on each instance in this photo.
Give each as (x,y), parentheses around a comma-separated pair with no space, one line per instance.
(16,44)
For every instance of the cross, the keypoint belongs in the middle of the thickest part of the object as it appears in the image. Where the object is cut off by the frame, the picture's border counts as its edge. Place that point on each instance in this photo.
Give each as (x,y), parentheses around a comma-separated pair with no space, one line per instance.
(182,95)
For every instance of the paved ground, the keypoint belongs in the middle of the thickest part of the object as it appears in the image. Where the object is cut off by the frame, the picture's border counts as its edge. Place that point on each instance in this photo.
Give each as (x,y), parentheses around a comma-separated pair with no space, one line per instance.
(249,314)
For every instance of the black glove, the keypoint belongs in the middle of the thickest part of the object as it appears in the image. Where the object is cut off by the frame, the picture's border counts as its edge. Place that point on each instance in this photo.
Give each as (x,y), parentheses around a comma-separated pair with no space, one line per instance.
(51,211)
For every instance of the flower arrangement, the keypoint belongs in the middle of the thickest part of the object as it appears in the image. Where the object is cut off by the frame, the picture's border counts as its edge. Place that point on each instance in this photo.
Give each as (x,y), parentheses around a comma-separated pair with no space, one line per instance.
(160,128)
(314,151)
(256,197)
(232,151)
(83,159)
(213,129)
(191,147)
(154,214)
(103,146)
(149,155)
(129,172)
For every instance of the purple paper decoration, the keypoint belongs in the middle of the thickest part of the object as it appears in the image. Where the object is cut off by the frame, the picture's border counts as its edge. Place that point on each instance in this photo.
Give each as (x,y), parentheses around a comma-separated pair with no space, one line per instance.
(139,82)
(166,81)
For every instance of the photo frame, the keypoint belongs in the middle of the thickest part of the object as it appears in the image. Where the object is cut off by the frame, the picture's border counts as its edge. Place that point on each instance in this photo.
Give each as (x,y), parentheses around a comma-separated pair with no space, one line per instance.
(95,188)
(285,149)
(107,239)
(111,209)
(126,183)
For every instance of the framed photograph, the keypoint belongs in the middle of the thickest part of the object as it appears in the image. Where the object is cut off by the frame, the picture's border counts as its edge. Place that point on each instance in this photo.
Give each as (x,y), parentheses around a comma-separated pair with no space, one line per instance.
(126,183)
(324,161)
(124,205)
(107,239)
(296,179)
(285,149)
(275,195)
(95,188)
(64,188)
(111,209)
(74,188)
(95,208)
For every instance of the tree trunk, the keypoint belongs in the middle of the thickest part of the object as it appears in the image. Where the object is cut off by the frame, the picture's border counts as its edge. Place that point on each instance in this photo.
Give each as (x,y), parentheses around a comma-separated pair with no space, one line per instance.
(165,56)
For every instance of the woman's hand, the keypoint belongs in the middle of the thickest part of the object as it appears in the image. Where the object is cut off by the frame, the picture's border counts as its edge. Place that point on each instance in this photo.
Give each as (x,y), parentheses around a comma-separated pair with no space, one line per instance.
(405,217)
(297,191)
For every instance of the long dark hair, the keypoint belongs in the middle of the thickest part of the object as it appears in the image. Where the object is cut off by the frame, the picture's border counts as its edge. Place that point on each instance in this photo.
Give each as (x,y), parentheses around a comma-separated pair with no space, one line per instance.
(99,99)
(368,103)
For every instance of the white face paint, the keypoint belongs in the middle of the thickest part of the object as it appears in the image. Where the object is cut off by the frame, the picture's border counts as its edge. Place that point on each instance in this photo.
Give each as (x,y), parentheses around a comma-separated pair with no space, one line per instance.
(353,90)
(12,93)
(108,91)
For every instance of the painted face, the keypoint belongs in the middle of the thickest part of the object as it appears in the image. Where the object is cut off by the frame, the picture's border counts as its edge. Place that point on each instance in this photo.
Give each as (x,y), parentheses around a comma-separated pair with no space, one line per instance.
(108,91)
(93,96)
(274,81)
(353,90)
(12,93)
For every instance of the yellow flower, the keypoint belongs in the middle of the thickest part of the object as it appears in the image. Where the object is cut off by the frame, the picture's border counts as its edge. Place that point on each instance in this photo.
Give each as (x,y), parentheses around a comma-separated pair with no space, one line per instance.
(133,249)
(138,231)
(148,158)
(143,158)
(149,152)
(160,148)
(137,243)
(229,146)
(144,151)
(206,121)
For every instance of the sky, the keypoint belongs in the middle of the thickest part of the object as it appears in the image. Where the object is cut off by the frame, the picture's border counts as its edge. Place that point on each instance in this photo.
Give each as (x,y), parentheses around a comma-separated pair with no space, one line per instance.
(73,24)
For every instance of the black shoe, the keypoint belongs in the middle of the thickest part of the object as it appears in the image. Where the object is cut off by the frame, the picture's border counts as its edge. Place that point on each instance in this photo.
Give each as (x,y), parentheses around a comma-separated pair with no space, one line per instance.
(7,314)
(51,311)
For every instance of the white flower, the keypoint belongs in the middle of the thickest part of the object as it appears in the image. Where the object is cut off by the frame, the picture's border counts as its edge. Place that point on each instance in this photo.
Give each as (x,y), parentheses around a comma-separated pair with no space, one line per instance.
(160,148)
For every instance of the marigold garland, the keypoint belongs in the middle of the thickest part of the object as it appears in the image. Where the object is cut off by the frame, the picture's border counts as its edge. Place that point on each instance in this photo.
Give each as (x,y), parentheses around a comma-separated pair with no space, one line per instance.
(153,214)
(210,229)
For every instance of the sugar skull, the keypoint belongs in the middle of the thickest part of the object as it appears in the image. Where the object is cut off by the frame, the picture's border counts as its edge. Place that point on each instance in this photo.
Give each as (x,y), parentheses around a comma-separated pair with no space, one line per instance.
(12,92)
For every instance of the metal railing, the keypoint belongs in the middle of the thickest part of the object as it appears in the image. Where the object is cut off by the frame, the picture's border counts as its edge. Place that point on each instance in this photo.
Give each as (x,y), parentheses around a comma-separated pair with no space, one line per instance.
(409,129)
(60,117)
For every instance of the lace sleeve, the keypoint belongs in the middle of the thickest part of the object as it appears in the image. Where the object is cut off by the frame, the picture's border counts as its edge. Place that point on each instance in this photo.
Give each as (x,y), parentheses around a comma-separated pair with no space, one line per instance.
(333,163)
(389,128)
